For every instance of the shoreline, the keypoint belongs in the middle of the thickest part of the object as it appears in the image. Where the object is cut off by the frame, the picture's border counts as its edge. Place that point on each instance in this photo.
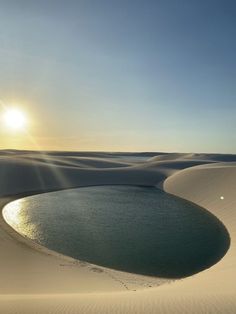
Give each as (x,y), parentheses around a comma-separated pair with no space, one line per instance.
(44,250)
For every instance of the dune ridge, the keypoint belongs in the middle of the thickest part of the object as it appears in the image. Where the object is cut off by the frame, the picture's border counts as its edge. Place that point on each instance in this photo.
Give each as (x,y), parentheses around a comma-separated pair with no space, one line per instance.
(39,281)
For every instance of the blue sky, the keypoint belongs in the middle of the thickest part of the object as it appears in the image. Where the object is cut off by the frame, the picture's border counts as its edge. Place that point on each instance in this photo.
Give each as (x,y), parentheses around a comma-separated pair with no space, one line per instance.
(121,75)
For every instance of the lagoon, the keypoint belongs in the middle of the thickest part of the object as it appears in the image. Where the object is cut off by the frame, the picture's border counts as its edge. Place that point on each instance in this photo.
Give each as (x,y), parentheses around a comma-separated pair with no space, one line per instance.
(135,229)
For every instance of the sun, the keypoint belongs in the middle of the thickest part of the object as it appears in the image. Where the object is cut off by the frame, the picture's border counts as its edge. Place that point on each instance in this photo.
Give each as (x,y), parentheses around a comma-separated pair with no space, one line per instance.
(14,119)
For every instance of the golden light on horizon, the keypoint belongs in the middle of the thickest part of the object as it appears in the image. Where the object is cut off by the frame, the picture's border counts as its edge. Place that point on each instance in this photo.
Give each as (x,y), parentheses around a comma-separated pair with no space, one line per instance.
(14,119)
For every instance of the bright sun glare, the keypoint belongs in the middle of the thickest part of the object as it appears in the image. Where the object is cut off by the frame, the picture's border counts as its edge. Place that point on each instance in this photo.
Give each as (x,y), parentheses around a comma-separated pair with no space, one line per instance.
(14,119)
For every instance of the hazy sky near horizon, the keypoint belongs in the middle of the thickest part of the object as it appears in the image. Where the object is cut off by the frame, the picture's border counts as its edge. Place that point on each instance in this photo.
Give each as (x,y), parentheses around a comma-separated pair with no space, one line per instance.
(157,75)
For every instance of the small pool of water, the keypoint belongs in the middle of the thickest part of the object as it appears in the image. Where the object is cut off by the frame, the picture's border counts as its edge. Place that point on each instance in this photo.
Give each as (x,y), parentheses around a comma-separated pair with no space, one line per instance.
(135,229)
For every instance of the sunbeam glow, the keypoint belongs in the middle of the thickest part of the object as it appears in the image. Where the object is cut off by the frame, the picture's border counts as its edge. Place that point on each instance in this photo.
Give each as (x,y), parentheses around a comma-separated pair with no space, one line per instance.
(14,119)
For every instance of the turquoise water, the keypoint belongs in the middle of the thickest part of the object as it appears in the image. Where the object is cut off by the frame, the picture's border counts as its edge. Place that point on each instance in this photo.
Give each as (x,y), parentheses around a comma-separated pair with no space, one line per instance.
(136,229)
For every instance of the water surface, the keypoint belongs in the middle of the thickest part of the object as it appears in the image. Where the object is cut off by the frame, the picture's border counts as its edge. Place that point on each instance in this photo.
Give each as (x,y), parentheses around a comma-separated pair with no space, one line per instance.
(136,229)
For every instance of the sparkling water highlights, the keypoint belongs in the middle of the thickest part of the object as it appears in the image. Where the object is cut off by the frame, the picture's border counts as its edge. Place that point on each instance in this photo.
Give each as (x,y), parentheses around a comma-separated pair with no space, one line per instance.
(136,229)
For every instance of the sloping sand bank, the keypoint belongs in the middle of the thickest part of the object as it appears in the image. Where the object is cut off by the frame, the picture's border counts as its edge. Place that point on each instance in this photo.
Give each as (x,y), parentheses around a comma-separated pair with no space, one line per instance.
(36,280)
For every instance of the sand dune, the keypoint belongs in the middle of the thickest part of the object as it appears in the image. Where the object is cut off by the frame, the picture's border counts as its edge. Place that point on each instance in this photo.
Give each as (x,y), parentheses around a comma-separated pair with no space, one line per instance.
(36,280)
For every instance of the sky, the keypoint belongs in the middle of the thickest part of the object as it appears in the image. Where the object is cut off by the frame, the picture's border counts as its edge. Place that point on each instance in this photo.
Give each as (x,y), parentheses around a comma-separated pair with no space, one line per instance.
(109,75)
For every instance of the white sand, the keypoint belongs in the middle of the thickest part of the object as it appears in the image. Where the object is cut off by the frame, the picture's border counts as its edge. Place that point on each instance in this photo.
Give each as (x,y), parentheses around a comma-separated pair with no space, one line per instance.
(36,280)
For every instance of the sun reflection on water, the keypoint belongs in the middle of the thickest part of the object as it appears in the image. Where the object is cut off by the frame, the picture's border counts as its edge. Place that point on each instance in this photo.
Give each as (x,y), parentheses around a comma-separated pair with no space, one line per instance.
(16,215)
(12,213)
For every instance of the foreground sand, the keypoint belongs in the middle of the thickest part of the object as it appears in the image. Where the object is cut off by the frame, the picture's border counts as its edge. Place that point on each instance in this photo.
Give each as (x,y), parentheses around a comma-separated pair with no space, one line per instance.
(36,280)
